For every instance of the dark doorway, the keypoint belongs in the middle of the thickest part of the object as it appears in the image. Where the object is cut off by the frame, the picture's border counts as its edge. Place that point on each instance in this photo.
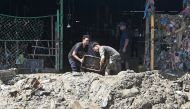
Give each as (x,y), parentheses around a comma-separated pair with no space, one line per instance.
(99,18)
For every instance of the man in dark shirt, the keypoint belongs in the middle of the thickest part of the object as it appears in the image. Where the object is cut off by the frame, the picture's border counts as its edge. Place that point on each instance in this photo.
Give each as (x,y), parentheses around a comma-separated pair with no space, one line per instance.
(91,51)
(76,54)
(124,40)
(109,58)
(134,50)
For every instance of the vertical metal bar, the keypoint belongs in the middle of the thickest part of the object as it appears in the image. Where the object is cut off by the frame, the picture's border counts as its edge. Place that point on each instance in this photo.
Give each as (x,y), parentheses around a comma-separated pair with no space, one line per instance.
(17,48)
(57,42)
(49,48)
(147,44)
(52,35)
(61,35)
(5,45)
(152,41)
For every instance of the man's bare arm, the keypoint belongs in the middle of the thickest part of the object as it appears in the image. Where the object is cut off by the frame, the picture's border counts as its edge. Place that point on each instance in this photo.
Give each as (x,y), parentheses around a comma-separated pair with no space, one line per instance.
(76,57)
(102,60)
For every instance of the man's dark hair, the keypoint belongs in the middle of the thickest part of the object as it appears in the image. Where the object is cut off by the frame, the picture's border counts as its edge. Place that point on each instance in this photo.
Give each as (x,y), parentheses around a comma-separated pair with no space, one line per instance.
(85,36)
(94,44)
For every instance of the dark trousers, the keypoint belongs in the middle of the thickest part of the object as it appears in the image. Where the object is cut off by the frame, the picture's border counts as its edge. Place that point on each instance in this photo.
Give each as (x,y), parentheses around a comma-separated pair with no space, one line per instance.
(134,50)
(75,65)
(114,66)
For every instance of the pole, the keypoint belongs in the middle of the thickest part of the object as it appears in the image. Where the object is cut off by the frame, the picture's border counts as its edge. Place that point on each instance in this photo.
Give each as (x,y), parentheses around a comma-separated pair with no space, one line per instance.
(57,41)
(52,38)
(147,44)
(5,45)
(17,48)
(61,35)
(152,42)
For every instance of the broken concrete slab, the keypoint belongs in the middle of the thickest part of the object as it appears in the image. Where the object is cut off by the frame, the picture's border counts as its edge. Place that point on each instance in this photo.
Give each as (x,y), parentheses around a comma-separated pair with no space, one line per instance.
(6,75)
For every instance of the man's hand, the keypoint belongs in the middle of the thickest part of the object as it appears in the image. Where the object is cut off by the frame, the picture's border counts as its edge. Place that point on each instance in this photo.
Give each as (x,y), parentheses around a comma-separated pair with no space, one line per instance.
(81,60)
(76,57)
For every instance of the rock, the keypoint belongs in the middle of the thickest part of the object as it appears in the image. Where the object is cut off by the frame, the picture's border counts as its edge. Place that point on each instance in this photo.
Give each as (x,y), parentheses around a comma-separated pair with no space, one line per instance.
(159,106)
(125,72)
(146,106)
(28,94)
(67,87)
(32,83)
(185,106)
(53,104)
(14,93)
(142,104)
(6,75)
(5,87)
(122,73)
(99,93)
(60,99)
(188,95)
(1,82)
(42,93)
(129,92)
(94,106)
(76,105)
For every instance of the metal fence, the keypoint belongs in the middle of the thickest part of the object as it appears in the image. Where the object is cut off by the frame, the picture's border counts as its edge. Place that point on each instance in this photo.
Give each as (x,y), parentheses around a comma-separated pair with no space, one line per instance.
(14,53)
(29,42)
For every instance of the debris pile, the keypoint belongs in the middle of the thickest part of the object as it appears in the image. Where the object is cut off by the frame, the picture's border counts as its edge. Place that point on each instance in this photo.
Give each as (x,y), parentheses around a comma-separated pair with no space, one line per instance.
(173,42)
(127,90)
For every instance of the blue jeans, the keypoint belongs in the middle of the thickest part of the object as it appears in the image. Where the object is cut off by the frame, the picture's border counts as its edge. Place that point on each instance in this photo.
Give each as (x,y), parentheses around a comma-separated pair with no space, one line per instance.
(75,65)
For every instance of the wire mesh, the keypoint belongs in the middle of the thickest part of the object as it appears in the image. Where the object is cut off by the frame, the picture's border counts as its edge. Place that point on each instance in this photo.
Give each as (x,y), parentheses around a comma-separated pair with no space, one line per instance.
(27,38)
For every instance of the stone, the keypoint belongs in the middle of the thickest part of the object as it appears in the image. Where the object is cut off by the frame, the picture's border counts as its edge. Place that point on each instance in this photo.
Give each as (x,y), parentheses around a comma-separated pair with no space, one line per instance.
(1,82)
(76,105)
(188,95)
(185,106)
(14,93)
(6,75)
(94,106)
(130,92)
(5,87)
(122,73)
(42,93)
(146,106)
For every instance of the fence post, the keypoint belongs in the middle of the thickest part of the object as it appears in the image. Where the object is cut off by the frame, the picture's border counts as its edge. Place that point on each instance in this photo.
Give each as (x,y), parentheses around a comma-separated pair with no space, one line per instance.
(57,42)
(5,45)
(52,35)
(147,44)
(17,49)
(152,41)
(61,35)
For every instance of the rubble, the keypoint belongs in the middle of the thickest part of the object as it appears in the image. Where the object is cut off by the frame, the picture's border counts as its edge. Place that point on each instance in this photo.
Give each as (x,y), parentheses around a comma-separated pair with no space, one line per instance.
(127,90)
